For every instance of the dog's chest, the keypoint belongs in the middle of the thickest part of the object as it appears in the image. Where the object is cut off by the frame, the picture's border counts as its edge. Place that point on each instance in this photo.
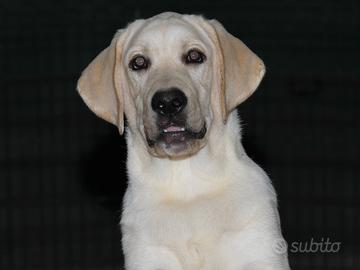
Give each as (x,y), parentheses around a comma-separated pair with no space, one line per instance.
(189,220)
(190,229)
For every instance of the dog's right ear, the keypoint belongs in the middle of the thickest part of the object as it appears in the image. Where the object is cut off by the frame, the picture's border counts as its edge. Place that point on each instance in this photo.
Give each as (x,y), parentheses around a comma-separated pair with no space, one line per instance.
(99,84)
(240,70)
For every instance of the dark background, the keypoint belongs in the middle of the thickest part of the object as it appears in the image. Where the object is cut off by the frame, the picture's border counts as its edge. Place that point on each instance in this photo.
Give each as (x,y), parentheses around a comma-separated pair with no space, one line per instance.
(62,169)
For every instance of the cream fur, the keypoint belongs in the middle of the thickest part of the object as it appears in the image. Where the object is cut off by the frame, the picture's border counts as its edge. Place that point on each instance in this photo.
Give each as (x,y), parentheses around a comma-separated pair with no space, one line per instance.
(216,210)
(213,208)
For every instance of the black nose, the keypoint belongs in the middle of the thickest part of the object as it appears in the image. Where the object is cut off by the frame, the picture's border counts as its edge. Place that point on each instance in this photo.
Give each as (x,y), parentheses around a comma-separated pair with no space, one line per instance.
(168,102)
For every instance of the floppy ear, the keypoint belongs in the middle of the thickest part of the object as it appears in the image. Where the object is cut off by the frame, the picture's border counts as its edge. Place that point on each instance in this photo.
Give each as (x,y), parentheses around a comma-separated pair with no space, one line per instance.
(240,69)
(99,85)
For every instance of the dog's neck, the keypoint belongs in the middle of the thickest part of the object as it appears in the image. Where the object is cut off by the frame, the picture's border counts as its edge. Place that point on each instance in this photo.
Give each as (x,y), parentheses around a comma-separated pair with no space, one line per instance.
(198,175)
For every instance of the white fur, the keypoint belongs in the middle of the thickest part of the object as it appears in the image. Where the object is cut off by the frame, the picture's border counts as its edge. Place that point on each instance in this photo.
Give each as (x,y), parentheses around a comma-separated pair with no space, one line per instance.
(213,208)
(213,211)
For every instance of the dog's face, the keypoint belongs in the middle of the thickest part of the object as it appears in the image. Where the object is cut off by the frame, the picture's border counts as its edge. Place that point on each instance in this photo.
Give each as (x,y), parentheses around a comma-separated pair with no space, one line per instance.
(173,76)
(169,69)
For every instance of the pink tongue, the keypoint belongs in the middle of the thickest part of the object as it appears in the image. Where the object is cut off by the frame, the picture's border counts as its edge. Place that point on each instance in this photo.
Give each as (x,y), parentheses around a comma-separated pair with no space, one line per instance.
(174,129)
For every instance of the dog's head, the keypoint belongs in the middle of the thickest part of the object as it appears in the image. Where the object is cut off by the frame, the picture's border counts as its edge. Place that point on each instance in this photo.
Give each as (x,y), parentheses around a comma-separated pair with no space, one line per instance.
(174,76)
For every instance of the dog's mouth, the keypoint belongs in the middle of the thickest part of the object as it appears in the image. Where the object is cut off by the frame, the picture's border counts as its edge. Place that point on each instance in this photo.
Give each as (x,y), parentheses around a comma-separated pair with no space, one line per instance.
(177,135)
(174,134)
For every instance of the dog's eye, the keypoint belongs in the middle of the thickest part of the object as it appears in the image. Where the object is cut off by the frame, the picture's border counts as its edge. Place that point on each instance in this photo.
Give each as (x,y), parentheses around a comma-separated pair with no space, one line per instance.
(194,57)
(139,62)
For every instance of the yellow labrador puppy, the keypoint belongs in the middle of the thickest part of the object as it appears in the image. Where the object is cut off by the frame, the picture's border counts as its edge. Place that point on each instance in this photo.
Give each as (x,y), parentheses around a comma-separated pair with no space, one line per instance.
(194,200)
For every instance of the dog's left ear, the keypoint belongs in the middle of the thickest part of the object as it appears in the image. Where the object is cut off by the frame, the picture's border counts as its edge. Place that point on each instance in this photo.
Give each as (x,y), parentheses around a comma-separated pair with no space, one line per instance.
(99,84)
(240,69)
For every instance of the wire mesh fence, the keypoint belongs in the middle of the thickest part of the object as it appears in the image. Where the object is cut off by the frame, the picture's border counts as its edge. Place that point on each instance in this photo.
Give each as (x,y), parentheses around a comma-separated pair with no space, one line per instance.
(62,170)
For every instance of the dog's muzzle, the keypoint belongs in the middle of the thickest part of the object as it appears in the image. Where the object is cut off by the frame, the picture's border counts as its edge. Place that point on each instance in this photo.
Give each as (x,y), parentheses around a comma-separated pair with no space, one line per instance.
(170,106)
